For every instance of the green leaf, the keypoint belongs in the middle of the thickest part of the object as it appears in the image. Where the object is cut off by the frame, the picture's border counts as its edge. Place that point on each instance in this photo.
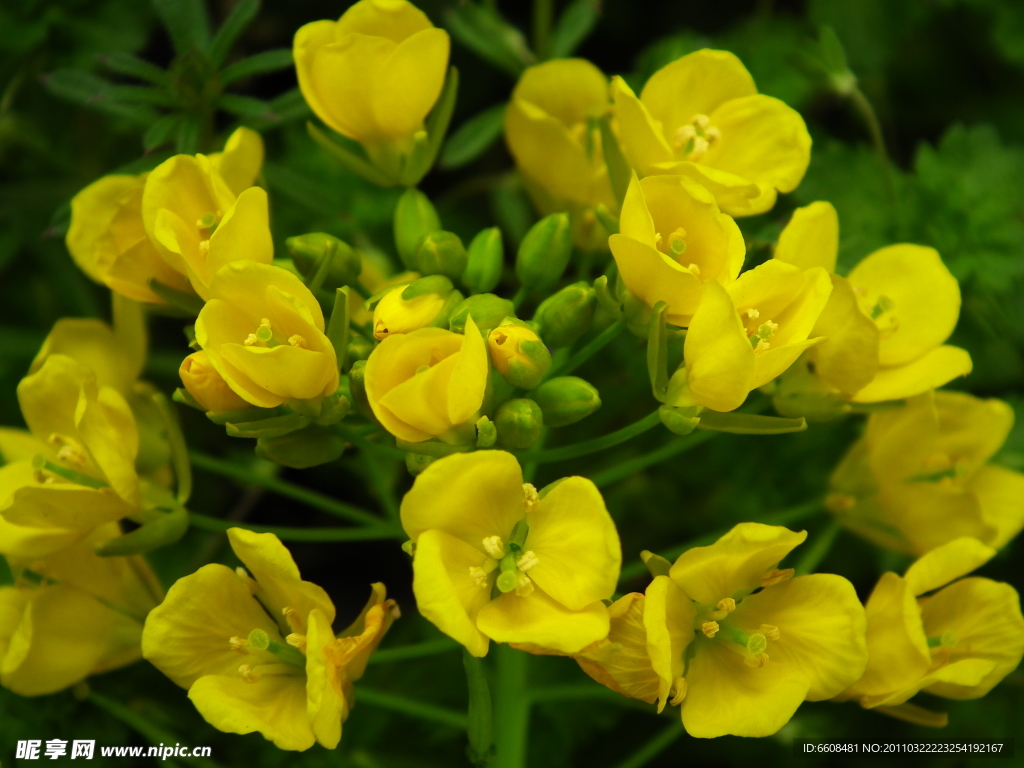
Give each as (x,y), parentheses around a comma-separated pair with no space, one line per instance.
(187,23)
(657,352)
(487,34)
(160,132)
(245,106)
(87,89)
(473,137)
(187,140)
(267,61)
(424,153)
(241,17)
(749,423)
(338,325)
(133,66)
(141,94)
(619,172)
(576,22)
(349,159)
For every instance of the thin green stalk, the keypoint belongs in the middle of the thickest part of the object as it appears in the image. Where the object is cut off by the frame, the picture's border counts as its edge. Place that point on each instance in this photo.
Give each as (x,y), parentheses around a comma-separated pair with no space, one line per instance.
(480,711)
(284,488)
(360,442)
(154,734)
(629,468)
(654,747)
(597,444)
(867,112)
(784,517)
(589,350)
(819,548)
(355,533)
(585,692)
(543,17)
(394,702)
(384,491)
(511,708)
(414,651)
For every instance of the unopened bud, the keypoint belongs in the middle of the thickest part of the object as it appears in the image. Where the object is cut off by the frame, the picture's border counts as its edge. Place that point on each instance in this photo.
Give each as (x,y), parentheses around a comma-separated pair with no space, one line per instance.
(405,309)
(441,253)
(358,348)
(415,217)
(519,423)
(518,354)
(567,315)
(484,261)
(357,389)
(487,310)
(417,462)
(486,433)
(206,386)
(566,399)
(544,253)
(307,250)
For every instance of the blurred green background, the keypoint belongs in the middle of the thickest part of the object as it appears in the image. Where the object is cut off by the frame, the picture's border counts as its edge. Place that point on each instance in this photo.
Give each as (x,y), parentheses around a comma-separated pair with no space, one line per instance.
(947,80)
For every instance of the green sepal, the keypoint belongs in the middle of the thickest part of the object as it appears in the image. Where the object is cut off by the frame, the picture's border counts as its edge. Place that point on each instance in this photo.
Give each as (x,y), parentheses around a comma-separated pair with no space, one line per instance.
(182,396)
(564,400)
(272,427)
(424,153)
(485,259)
(544,253)
(434,448)
(349,159)
(357,389)
(486,433)
(681,421)
(438,284)
(441,253)
(606,298)
(183,301)
(244,415)
(607,220)
(415,217)
(619,172)
(416,463)
(488,312)
(338,326)
(749,423)
(657,352)
(333,409)
(519,423)
(302,448)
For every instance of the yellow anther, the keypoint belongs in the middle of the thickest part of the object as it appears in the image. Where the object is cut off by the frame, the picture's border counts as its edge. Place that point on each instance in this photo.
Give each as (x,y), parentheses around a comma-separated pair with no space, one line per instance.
(683,136)
(494,547)
(204,248)
(71,455)
(250,340)
(756,661)
(657,237)
(713,135)
(524,586)
(678,691)
(694,269)
(753,314)
(726,604)
(701,121)
(264,322)
(531,497)
(294,619)
(771,632)
(296,640)
(297,341)
(250,582)
(527,561)
(775,576)
(247,673)
(479,575)
(709,628)
(700,148)
(762,345)
(41,477)
(239,644)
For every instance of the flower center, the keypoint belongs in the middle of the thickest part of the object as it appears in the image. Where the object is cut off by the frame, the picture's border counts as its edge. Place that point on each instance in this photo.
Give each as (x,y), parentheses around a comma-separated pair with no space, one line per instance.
(289,658)
(511,561)
(264,337)
(693,140)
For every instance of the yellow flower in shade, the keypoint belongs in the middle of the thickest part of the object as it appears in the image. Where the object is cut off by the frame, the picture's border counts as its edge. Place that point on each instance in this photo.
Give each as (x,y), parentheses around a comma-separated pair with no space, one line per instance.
(263,332)
(550,130)
(256,650)
(199,222)
(206,386)
(81,616)
(374,75)
(957,642)
(494,560)
(701,116)
(429,383)
(395,314)
(77,469)
(672,240)
(920,476)
(744,335)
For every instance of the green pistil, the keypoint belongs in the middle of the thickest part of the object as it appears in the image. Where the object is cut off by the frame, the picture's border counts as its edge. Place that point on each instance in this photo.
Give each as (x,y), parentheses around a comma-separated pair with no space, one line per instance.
(734,634)
(519,534)
(885,304)
(947,640)
(261,641)
(208,222)
(40,463)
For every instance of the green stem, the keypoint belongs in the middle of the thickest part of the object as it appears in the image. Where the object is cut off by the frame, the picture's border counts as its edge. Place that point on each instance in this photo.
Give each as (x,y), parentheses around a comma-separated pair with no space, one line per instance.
(543,17)
(479,712)
(384,491)
(360,442)
(356,533)
(654,747)
(520,296)
(411,707)
(784,517)
(154,734)
(589,350)
(284,488)
(819,548)
(414,651)
(867,112)
(597,444)
(629,468)
(511,708)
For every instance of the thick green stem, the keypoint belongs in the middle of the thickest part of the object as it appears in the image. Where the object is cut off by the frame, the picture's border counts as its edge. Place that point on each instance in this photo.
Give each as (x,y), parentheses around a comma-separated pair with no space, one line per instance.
(355,533)
(480,711)
(597,444)
(411,707)
(414,651)
(654,747)
(589,350)
(629,468)
(511,708)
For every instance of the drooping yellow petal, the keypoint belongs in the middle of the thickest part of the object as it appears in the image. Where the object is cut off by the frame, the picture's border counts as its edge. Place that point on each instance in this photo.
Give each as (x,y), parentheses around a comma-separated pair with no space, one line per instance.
(652,277)
(325,707)
(94,344)
(27,541)
(668,620)
(539,620)
(640,137)
(736,195)
(1000,491)
(57,506)
(946,563)
(468,383)
(935,368)
(848,358)
(811,238)
(719,359)
(410,82)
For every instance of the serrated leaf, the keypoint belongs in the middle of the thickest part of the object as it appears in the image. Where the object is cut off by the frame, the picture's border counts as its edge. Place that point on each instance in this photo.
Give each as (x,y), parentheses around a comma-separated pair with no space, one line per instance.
(576,22)
(267,61)
(187,23)
(91,91)
(241,17)
(133,66)
(487,34)
(160,132)
(473,137)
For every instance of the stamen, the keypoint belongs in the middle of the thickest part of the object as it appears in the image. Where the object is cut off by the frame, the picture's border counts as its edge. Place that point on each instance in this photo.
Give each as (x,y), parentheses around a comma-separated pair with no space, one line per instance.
(713,135)
(753,314)
(204,248)
(771,632)
(246,671)
(250,340)
(297,640)
(776,576)
(71,455)
(297,341)
(479,575)
(694,268)
(679,691)
(527,561)
(710,628)
(294,619)
(239,644)
(532,498)
(726,604)
(494,547)
(757,661)
(700,148)
(250,582)
(701,122)
(524,586)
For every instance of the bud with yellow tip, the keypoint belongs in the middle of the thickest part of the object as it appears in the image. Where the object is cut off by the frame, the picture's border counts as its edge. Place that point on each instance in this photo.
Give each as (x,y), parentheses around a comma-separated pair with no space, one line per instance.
(420,304)
(518,354)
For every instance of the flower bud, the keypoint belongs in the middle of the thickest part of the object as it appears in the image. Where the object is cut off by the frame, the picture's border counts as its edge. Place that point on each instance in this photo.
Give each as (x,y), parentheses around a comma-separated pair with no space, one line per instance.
(357,388)
(441,253)
(566,399)
(484,260)
(301,448)
(358,348)
(518,354)
(421,303)
(487,310)
(544,253)
(567,315)
(415,217)
(308,249)
(417,462)
(519,423)
(206,386)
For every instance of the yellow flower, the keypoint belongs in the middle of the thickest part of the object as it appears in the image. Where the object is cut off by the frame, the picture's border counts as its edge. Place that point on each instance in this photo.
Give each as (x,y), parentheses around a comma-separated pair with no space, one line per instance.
(263,332)
(958,642)
(374,75)
(429,383)
(550,131)
(196,219)
(240,162)
(85,616)
(744,335)
(256,652)
(395,314)
(672,241)
(919,476)
(78,470)
(701,116)
(493,560)
(206,386)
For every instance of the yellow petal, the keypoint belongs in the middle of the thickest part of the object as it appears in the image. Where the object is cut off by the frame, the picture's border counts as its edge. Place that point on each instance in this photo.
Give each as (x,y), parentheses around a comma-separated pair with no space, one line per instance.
(446,593)
(925,299)
(394,19)
(92,212)
(240,163)
(284,371)
(274,705)
(652,277)
(640,137)
(539,620)
(243,234)
(308,41)
(736,195)
(1001,494)
(719,359)
(735,562)
(937,367)
(325,707)
(62,507)
(668,619)
(811,238)
(410,81)
(468,495)
(49,396)
(242,282)
(468,383)
(635,222)
(107,428)
(342,74)
(93,344)
(281,586)
(28,542)
(848,358)
(946,563)
(568,90)
(576,544)
(422,401)
(19,445)
(354,645)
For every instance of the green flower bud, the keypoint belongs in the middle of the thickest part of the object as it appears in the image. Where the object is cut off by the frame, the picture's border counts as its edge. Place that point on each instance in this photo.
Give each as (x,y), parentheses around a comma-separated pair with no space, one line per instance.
(486,432)
(566,399)
(441,253)
(357,388)
(415,217)
(416,463)
(544,253)
(484,260)
(567,315)
(307,250)
(518,354)
(519,423)
(303,448)
(681,421)
(487,310)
